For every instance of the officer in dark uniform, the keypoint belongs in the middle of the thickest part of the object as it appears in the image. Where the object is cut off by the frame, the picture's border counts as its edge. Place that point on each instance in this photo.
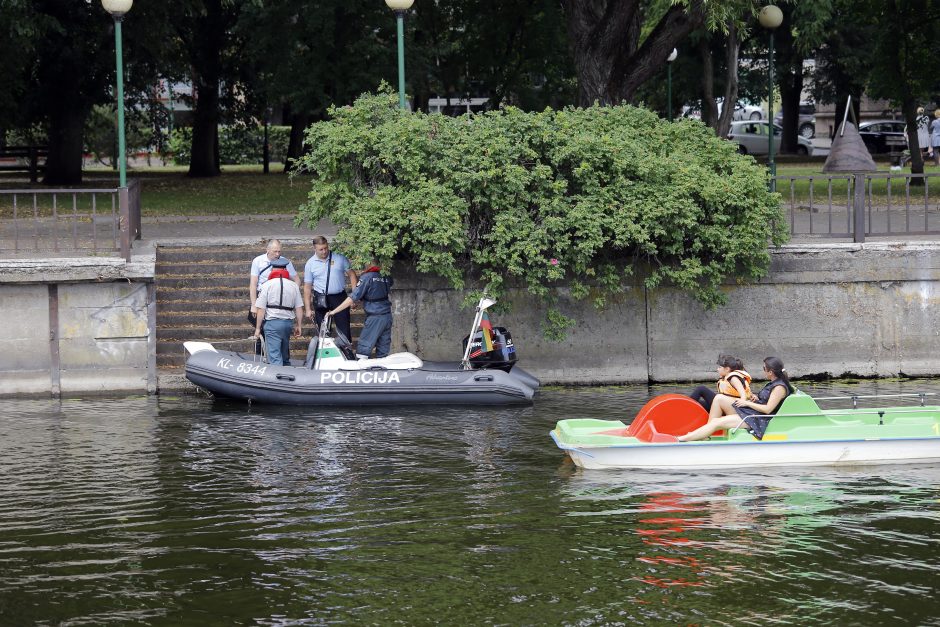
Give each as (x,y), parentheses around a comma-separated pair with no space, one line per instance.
(372,291)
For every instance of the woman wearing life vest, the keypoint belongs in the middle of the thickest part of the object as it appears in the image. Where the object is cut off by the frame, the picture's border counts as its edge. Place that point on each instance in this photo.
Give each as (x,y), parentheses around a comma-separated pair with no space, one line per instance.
(733,381)
(753,414)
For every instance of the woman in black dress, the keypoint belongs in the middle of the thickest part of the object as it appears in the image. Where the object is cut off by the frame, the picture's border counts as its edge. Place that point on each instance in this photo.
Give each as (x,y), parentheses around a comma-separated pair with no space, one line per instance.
(753,412)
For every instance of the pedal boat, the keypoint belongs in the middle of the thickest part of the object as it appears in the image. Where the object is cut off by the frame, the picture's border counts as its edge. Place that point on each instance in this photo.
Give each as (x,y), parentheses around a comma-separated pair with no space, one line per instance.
(799,434)
(332,376)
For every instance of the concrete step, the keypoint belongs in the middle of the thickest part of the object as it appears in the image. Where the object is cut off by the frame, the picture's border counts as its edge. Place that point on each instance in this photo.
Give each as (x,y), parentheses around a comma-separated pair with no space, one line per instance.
(203,270)
(201,281)
(206,315)
(202,332)
(234,305)
(234,254)
(242,344)
(205,293)
(173,355)
(184,319)
(232,314)
(215,266)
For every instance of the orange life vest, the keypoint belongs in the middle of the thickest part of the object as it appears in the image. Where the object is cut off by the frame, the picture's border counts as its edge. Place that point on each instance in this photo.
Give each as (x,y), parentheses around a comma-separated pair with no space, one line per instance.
(725,387)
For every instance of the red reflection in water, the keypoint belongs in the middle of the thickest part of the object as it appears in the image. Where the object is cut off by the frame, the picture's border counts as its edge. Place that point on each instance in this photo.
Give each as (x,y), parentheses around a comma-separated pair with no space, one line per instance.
(669,531)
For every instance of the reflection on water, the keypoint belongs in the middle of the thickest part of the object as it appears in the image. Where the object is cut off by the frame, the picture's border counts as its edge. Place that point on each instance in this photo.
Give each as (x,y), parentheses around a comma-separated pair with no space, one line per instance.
(181,510)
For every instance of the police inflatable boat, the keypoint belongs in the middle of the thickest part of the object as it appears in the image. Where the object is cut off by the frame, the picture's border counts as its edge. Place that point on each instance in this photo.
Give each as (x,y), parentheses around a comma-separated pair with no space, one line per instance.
(332,376)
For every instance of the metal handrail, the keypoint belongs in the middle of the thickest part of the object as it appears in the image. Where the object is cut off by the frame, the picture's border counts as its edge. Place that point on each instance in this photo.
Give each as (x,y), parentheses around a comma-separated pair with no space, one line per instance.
(837,398)
(861,212)
(124,216)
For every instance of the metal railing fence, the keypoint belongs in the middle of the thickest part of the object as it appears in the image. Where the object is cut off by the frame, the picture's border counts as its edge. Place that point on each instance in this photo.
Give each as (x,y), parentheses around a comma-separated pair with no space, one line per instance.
(70,220)
(860,205)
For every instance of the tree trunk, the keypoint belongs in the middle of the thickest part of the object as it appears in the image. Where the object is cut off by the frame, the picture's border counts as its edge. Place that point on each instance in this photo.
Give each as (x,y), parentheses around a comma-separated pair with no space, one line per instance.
(790,63)
(709,108)
(206,55)
(295,148)
(204,162)
(604,36)
(732,48)
(64,163)
(791,87)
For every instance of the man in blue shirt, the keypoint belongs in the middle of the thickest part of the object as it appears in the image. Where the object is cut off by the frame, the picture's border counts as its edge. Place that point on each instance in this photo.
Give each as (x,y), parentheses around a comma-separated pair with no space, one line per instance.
(372,291)
(325,274)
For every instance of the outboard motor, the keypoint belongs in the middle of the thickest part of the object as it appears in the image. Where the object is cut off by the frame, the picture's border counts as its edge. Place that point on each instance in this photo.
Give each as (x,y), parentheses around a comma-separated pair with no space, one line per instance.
(503,355)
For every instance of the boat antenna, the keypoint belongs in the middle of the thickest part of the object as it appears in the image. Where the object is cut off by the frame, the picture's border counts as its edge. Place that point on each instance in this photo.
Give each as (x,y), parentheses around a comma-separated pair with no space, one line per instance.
(482,306)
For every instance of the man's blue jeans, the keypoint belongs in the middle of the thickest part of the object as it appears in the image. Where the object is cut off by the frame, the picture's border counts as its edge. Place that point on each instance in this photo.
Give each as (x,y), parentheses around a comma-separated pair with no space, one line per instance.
(277,340)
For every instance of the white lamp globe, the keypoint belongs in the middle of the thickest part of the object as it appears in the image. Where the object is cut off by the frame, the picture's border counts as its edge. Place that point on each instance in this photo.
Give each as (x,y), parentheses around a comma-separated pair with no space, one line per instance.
(673,55)
(399,5)
(117,7)
(770,17)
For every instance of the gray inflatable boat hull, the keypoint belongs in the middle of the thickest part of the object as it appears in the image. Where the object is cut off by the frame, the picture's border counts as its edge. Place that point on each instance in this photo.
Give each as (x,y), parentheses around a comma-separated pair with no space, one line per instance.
(241,376)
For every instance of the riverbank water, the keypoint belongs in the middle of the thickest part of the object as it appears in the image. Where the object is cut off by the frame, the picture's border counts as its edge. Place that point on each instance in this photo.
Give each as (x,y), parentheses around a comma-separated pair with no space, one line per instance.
(167,511)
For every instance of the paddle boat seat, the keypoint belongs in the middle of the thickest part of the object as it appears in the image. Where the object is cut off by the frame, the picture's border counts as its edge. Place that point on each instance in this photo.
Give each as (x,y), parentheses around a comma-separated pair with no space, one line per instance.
(796,409)
(664,417)
(676,414)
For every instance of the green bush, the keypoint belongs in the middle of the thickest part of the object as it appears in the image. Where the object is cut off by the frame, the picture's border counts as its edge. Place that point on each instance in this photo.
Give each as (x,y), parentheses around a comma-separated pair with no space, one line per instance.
(584,194)
(238,144)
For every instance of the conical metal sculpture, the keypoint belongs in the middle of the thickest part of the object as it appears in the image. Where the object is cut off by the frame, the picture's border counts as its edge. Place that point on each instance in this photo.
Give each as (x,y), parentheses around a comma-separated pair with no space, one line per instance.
(848,152)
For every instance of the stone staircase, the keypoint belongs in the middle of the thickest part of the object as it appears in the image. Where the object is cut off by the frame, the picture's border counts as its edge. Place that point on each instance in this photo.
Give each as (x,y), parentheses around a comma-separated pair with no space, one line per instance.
(202,295)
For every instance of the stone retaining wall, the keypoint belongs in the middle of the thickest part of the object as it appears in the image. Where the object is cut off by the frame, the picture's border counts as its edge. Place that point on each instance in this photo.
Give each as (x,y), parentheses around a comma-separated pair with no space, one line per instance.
(76,326)
(831,309)
(82,325)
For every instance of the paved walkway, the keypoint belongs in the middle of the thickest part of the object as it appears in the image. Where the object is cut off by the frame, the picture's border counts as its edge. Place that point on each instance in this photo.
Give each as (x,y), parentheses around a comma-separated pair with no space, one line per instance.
(246,229)
(31,237)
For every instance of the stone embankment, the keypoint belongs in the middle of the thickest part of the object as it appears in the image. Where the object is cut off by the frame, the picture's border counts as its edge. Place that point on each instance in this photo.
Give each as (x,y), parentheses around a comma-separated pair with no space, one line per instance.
(828,309)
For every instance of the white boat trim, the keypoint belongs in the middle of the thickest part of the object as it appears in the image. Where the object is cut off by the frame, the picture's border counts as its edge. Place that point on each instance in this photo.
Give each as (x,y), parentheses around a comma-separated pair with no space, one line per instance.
(705,454)
(195,347)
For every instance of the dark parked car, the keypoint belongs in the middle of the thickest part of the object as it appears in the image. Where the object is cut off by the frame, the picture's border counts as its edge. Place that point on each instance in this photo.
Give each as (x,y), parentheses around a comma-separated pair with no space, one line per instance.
(807,123)
(883,136)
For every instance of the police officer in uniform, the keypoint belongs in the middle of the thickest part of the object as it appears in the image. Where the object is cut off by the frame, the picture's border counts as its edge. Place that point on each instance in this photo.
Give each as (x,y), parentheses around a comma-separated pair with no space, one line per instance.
(372,291)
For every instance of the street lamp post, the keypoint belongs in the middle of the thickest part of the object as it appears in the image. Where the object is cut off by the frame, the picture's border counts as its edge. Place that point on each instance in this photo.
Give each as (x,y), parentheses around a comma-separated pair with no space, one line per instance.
(399,7)
(771,17)
(670,59)
(117,9)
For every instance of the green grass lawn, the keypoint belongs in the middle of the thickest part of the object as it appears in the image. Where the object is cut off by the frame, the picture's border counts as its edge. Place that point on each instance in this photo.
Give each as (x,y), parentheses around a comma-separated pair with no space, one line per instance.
(811,186)
(241,190)
(167,191)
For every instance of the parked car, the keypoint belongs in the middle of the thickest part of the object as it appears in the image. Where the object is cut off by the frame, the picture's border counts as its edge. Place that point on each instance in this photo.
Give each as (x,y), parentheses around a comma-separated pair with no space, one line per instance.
(753,138)
(807,123)
(747,111)
(742,110)
(883,136)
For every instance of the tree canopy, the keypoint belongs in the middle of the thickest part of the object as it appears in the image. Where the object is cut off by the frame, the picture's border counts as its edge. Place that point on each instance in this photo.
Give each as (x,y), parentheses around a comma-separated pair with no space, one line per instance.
(250,60)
